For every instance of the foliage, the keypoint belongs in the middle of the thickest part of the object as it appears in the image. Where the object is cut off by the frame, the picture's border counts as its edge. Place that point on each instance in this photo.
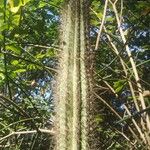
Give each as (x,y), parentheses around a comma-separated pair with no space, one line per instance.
(29,39)
(28,35)
(115,73)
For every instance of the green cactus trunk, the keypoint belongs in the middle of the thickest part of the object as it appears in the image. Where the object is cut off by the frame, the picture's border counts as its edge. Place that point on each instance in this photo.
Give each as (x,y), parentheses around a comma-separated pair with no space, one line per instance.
(73,85)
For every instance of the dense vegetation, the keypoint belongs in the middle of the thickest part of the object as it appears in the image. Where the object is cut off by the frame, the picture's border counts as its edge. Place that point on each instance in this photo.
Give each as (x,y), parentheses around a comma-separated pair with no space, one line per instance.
(29,51)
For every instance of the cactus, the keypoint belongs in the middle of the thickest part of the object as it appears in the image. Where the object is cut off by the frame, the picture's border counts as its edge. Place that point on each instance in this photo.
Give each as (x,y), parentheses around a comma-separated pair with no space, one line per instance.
(72,93)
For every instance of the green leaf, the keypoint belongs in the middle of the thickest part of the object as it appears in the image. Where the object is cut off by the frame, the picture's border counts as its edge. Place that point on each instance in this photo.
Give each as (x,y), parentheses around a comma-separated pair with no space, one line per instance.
(14,49)
(118,86)
(94,22)
(1,3)
(13,75)
(16,19)
(143,4)
(25,1)
(39,56)
(16,4)
(98,119)
(42,4)
(3,26)
(2,76)
(100,15)
(31,67)
(1,36)
(20,71)
(14,62)
(50,53)
(110,19)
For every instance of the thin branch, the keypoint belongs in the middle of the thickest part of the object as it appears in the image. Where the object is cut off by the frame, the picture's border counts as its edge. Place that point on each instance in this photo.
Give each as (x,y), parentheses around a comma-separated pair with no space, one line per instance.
(109,86)
(17,122)
(36,45)
(133,66)
(110,107)
(114,111)
(136,125)
(133,144)
(28,132)
(20,110)
(121,11)
(126,74)
(48,69)
(101,26)
(134,115)
(124,68)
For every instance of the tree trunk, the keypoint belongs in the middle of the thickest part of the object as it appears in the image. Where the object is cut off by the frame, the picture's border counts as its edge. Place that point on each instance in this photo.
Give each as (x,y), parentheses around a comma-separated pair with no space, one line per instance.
(73,80)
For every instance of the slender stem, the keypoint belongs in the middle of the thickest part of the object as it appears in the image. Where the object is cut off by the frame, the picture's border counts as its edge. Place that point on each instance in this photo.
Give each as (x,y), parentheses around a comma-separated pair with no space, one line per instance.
(137,79)
(101,26)
(51,132)
(136,125)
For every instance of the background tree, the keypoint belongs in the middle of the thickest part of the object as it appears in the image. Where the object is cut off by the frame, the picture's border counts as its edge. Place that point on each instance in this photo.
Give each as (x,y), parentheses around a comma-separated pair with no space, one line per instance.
(27,58)
(122,88)
(29,54)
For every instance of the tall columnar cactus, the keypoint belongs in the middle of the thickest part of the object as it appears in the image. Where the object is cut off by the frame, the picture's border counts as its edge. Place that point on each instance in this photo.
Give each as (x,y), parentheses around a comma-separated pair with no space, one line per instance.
(73,80)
